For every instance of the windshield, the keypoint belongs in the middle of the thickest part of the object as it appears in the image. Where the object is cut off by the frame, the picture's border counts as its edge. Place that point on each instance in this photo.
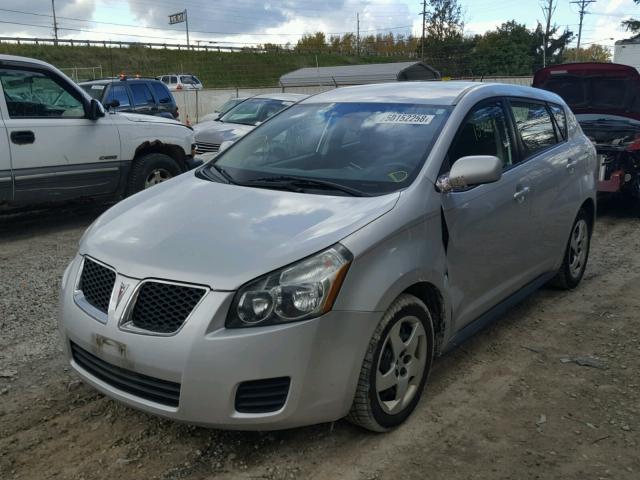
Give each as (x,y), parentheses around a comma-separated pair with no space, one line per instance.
(95,90)
(373,147)
(254,110)
(597,93)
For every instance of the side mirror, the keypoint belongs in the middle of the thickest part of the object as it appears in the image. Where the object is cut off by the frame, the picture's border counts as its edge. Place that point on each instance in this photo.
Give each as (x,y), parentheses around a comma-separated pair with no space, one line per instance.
(96,110)
(470,171)
(113,103)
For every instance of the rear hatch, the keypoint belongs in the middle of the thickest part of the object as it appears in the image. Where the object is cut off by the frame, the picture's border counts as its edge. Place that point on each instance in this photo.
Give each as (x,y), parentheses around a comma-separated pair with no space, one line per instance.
(604,97)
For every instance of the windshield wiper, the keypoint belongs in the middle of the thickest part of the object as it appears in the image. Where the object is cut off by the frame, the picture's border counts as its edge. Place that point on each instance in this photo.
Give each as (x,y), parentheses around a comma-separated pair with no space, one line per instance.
(297,184)
(224,174)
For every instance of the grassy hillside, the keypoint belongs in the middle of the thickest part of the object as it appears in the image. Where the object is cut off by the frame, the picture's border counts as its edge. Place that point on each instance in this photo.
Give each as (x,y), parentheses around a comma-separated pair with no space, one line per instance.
(214,69)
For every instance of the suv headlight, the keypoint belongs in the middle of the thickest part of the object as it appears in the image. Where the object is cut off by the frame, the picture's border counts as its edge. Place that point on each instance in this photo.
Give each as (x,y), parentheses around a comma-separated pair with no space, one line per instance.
(302,290)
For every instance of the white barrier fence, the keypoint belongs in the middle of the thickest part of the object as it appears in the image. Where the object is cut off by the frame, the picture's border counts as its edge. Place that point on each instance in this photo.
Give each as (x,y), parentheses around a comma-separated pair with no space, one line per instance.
(194,104)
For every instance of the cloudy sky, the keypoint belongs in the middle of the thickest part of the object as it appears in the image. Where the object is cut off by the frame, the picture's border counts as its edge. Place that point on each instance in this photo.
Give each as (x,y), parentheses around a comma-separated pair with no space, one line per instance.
(242,22)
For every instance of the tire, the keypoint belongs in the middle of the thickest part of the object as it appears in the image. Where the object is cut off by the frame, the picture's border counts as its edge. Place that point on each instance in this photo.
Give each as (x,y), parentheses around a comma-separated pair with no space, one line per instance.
(381,409)
(153,165)
(576,254)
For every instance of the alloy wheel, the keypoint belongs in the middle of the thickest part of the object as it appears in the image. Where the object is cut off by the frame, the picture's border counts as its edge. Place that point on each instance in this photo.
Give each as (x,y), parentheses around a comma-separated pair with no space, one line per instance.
(578,247)
(400,366)
(157,176)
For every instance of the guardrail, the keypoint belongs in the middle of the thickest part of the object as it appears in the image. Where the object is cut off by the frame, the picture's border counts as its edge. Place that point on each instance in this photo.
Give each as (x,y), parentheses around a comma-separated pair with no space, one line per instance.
(121,44)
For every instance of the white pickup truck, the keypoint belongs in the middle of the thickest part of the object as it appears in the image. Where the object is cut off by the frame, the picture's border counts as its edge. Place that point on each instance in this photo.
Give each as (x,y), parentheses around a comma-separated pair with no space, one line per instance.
(57,143)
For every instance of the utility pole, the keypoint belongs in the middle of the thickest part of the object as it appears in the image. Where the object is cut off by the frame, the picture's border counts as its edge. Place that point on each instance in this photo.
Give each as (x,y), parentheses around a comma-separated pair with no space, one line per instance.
(548,13)
(186,19)
(424,26)
(55,22)
(358,34)
(582,5)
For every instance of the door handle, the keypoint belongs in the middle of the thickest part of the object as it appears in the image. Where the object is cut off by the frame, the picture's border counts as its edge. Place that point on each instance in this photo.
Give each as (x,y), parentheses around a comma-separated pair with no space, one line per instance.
(23,137)
(521,194)
(571,164)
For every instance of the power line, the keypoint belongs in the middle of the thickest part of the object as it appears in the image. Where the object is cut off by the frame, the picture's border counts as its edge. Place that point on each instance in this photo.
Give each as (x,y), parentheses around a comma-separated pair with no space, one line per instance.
(178,30)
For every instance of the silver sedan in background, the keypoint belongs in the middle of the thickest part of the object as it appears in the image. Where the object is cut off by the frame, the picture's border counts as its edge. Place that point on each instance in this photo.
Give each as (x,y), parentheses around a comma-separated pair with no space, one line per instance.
(240,120)
(315,268)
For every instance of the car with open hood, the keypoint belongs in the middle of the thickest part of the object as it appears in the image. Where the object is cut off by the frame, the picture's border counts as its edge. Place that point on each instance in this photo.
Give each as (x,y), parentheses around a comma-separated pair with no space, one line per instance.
(241,119)
(605,98)
(315,268)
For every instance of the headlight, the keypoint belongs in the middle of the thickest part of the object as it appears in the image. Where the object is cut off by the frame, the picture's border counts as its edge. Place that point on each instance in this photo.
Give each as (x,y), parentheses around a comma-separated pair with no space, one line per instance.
(303,290)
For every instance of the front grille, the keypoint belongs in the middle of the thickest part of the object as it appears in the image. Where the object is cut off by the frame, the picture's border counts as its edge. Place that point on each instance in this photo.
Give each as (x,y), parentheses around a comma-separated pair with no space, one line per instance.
(143,386)
(96,284)
(262,396)
(204,147)
(163,307)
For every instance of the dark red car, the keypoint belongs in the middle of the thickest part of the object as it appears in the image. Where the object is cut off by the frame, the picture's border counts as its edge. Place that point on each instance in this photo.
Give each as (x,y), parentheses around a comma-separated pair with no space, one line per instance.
(605,97)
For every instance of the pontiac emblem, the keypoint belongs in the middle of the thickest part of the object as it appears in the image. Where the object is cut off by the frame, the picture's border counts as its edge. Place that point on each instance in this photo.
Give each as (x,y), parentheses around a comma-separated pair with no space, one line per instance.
(121,291)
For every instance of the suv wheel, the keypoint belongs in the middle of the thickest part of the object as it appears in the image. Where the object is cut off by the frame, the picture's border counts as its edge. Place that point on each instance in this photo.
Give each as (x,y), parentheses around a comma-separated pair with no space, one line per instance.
(396,366)
(576,254)
(151,169)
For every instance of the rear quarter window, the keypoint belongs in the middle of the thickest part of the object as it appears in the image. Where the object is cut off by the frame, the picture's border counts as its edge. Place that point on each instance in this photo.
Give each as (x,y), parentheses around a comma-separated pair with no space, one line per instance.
(560,118)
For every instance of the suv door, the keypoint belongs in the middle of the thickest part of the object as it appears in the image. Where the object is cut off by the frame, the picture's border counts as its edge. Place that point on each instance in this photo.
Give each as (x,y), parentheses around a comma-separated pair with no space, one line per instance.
(57,153)
(143,101)
(488,227)
(6,177)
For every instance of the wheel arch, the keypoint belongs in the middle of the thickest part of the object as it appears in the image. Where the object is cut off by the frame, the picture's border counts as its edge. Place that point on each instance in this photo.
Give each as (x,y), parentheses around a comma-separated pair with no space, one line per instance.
(432,297)
(174,151)
(589,206)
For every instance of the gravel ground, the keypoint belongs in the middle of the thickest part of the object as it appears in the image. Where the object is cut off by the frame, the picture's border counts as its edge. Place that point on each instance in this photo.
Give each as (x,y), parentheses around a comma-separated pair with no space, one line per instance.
(550,391)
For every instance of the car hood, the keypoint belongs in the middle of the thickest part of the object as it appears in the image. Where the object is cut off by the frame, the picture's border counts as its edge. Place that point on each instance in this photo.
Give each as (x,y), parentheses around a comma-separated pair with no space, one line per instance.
(218,132)
(136,117)
(198,231)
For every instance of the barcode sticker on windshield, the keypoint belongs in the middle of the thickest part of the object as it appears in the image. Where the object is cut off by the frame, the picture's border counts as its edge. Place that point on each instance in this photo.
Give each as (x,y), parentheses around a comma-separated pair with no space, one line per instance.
(406,118)
(97,87)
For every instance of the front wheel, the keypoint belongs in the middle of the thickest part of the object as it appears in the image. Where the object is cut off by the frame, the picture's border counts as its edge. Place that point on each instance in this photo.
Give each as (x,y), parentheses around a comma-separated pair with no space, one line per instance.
(576,254)
(396,366)
(150,170)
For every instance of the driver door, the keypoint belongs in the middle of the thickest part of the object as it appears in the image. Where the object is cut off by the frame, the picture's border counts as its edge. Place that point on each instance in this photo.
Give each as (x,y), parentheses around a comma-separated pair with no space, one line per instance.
(57,153)
(489,226)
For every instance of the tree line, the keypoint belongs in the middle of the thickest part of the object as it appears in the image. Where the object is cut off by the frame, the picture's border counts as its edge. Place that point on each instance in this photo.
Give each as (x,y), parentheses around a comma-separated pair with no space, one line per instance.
(510,49)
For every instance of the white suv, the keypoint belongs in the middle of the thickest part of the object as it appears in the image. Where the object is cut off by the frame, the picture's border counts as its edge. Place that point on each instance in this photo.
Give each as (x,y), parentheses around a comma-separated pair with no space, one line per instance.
(58,143)
(181,81)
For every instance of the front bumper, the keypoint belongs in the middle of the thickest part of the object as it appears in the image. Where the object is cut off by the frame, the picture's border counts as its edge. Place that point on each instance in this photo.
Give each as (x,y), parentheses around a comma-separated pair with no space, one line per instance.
(322,357)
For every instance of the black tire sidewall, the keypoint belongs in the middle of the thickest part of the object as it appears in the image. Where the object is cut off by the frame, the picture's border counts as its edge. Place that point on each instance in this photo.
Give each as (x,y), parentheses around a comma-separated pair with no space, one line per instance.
(381,417)
(571,280)
(144,165)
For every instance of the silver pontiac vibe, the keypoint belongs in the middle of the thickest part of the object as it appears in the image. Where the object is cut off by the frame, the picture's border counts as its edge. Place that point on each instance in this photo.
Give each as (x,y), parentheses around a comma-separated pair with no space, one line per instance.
(314,269)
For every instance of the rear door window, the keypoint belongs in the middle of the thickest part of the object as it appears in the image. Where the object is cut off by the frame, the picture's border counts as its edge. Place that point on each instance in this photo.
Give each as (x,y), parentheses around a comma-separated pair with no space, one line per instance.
(162,93)
(534,125)
(119,93)
(141,94)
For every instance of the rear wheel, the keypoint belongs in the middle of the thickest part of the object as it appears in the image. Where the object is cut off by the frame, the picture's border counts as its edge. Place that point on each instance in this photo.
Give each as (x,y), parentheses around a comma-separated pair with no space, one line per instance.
(396,366)
(150,170)
(576,254)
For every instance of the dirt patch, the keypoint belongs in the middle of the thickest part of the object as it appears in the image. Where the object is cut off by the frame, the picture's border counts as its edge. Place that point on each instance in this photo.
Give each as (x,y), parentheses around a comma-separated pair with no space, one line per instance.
(550,391)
